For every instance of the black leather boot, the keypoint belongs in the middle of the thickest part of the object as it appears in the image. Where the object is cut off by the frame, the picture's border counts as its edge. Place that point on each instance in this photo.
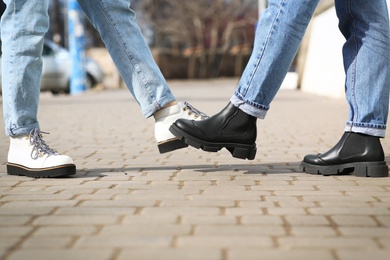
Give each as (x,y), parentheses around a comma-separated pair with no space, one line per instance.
(358,153)
(231,129)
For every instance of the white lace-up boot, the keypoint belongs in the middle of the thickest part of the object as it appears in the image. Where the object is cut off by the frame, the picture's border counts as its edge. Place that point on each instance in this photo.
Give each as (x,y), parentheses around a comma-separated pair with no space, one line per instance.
(165,117)
(30,156)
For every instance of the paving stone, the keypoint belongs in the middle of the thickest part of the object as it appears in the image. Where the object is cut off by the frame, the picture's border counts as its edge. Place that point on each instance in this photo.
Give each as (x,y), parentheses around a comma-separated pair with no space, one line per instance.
(52,242)
(197,203)
(297,221)
(220,241)
(365,231)
(27,205)
(353,220)
(360,255)
(172,254)
(151,230)
(123,241)
(239,230)
(95,211)
(350,211)
(75,231)
(16,231)
(62,254)
(53,197)
(74,220)
(320,231)
(24,211)
(14,220)
(261,220)
(315,242)
(151,219)
(118,203)
(277,254)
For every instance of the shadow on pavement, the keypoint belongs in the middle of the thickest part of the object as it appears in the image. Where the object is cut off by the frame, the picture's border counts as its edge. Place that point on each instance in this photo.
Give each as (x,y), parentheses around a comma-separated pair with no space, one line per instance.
(268,168)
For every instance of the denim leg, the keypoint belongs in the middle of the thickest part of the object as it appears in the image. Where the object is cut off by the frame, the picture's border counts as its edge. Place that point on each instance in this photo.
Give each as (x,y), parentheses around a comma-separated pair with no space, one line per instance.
(366,53)
(120,32)
(277,39)
(23,26)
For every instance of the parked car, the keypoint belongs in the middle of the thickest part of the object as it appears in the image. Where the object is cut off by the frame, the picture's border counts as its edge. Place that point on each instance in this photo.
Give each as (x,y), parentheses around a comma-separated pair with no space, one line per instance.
(57,69)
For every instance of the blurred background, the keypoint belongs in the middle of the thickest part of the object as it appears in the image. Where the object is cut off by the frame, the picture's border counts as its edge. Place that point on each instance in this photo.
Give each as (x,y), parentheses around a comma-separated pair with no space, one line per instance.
(189,39)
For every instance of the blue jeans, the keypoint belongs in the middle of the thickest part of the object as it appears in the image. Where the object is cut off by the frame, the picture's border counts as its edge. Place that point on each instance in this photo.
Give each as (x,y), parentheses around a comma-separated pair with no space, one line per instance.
(366,54)
(23,26)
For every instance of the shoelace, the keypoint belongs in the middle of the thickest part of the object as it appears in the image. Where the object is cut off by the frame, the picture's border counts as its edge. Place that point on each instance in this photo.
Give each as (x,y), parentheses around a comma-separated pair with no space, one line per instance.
(195,111)
(40,147)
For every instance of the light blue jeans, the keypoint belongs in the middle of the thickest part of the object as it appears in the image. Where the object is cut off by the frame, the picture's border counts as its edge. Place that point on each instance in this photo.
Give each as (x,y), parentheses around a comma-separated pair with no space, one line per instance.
(23,27)
(366,54)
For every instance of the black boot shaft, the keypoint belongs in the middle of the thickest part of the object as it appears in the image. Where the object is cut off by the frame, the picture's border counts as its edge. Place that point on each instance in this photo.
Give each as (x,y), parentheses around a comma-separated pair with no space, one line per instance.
(231,128)
(354,147)
(231,124)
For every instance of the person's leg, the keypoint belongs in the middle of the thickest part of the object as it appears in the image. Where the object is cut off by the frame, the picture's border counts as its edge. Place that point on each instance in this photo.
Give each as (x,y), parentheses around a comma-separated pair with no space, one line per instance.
(23,26)
(278,37)
(117,25)
(365,25)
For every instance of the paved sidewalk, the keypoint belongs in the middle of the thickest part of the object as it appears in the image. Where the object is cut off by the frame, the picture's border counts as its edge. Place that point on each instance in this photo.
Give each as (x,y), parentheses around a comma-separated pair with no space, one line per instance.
(129,202)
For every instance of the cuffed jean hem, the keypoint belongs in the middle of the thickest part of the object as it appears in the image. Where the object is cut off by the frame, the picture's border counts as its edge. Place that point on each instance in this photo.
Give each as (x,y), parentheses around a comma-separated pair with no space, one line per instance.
(379,131)
(157,105)
(25,130)
(250,109)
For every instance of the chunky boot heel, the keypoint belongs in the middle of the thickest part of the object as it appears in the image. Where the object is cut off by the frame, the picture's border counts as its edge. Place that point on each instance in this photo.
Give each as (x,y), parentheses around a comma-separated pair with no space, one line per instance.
(171,145)
(374,171)
(210,149)
(243,153)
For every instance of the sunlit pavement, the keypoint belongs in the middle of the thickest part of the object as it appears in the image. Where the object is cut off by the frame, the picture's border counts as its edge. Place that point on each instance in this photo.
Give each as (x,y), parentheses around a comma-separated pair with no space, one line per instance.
(127,201)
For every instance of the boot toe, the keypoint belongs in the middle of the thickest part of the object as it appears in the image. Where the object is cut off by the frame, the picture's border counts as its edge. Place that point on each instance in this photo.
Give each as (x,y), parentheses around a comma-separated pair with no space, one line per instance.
(191,128)
(57,161)
(313,159)
(184,124)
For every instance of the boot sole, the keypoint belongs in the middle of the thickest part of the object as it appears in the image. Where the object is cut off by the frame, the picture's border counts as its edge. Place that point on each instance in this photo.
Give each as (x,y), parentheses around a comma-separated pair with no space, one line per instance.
(52,172)
(171,145)
(360,169)
(241,151)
